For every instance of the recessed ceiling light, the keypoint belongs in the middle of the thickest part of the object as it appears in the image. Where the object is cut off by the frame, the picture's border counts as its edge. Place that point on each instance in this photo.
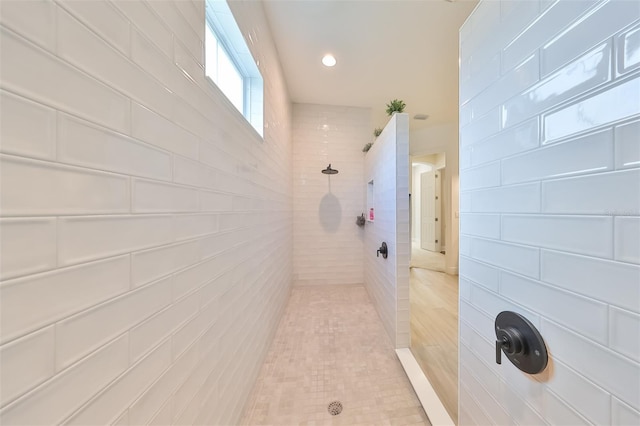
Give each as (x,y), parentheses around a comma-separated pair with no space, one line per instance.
(328,60)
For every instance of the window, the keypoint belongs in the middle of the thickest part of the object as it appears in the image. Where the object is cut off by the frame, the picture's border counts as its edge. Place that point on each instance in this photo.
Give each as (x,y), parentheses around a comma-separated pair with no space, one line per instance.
(230,65)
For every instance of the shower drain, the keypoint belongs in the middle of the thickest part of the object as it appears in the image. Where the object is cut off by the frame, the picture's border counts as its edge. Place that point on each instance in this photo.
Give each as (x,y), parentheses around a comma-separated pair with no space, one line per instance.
(335,408)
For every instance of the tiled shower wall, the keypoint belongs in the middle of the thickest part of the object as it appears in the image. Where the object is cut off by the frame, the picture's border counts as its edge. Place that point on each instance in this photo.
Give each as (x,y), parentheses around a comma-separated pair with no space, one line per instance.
(147,228)
(387,280)
(327,241)
(550,201)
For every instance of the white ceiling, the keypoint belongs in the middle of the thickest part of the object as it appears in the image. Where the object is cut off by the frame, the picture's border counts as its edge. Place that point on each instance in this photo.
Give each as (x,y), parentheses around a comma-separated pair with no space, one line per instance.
(405,49)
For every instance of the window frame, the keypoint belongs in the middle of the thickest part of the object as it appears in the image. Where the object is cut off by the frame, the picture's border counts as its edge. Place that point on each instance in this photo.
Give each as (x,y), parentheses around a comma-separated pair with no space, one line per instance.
(226,34)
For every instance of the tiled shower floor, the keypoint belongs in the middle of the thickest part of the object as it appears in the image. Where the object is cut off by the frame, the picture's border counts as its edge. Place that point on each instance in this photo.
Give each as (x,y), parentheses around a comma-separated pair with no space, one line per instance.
(331,345)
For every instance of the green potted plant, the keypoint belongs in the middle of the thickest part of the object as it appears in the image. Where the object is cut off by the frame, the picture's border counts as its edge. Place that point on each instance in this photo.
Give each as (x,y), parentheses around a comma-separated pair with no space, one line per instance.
(394,106)
(377,131)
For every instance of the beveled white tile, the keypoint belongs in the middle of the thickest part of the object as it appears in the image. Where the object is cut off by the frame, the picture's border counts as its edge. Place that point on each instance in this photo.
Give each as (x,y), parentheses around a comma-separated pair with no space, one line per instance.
(627,148)
(143,18)
(628,51)
(585,316)
(28,245)
(34,20)
(181,29)
(212,156)
(510,84)
(480,273)
(193,15)
(623,414)
(517,258)
(522,137)
(189,226)
(153,330)
(23,66)
(123,420)
(627,241)
(507,199)
(105,407)
(35,188)
(90,53)
(164,416)
(152,197)
(484,176)
(585,73)
(590,235)
(481,225)
(215,202)
(84,144)
(589,399)
(600,23)
(491,304)
(26,363)
(143,408)
(28,128)
(493,409)
(624,330)
(86,331)
(485,69)
(551,21)
(161,132)
(37,300)
(57,398)
(92,237)
(585,155)
(616,193)
(186,335)
(187,172)
(102,18)
(152,264)
(558,412)
(605,107)
(615,374)
(585,275)
(481,128)
(151,59)
(186,61)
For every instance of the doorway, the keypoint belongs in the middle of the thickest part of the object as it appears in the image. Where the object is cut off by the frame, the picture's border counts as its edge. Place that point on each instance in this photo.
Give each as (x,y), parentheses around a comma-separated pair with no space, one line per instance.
(433,294)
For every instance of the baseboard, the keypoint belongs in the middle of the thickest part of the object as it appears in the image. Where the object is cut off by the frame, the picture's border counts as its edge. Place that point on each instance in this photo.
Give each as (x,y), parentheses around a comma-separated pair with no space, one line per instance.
(428,398)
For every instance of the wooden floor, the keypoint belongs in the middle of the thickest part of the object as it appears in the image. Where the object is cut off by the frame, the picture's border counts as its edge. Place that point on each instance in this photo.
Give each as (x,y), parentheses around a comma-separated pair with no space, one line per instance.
(434,332)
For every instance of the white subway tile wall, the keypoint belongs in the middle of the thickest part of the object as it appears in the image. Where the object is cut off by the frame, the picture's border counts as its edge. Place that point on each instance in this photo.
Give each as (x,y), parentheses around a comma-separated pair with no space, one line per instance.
(147,236)
(327,242)
(551,208)
(387,280)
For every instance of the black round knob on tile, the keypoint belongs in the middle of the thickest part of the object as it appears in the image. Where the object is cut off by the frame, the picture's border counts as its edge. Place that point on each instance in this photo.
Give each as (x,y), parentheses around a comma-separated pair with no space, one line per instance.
(521,342)
(383,250)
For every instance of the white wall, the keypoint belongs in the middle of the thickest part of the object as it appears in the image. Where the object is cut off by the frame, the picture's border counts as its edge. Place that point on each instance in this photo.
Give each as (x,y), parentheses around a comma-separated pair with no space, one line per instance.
(550,195)
(327,242)
(147,229)
(443,138)
(387,280)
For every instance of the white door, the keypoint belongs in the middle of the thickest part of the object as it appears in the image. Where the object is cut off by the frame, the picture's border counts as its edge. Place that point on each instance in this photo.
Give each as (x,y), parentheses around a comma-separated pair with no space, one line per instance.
(430,206)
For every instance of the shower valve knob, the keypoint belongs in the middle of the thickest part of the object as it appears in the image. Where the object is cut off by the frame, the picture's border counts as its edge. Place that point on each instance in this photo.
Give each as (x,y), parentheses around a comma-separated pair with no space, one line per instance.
(521,343)
(383,250)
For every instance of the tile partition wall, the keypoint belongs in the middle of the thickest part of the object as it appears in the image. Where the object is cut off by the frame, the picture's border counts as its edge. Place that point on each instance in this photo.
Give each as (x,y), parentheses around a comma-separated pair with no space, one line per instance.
(550,201)
(387,280)
(327,243)
(147,228)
